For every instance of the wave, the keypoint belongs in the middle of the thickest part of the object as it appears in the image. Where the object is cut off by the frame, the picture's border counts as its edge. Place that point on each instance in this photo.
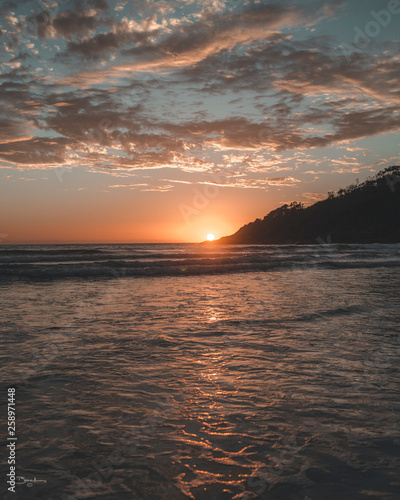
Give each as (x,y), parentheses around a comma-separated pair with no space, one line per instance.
(117,263)
(49,251)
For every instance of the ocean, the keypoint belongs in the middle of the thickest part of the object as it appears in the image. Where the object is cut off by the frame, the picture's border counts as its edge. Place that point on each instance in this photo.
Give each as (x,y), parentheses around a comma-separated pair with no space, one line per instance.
(190,371)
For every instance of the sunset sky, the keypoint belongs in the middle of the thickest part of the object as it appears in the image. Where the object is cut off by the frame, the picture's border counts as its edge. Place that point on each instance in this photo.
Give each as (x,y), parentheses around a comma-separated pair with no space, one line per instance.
(146,121)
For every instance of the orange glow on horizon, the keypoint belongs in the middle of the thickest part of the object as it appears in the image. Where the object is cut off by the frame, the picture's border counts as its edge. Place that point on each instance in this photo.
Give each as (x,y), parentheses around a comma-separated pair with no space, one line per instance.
(118,217)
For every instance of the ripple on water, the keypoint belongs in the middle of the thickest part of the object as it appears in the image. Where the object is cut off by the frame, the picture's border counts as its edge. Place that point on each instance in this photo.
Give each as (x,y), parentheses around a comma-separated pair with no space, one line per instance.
(256,385)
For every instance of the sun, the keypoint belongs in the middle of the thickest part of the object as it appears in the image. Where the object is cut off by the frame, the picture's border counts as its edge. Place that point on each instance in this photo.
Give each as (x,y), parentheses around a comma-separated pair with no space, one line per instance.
(210,237)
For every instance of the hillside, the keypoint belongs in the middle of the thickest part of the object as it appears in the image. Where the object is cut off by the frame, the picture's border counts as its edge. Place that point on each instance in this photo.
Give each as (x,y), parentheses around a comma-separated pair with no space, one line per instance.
(361,213)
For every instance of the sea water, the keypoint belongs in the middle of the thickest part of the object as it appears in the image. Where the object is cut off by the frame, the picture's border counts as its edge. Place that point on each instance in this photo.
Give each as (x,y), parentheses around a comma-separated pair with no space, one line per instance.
(203,371)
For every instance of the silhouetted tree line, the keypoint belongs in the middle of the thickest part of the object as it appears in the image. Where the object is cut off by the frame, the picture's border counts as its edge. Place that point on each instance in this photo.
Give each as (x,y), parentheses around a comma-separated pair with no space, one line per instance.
(361,213)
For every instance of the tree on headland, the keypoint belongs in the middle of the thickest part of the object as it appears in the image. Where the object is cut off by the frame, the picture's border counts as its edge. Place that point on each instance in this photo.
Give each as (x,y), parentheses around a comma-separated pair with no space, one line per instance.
(367,212)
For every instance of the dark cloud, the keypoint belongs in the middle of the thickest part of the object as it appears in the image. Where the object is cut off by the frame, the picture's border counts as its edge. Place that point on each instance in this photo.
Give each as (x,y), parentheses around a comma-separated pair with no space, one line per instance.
(211,33)
(68,24)
(21,56)
(10,129)
(103,43)
(20,73)
(37,151)
(295,69)
(98,4)
(359,124)
(6,7)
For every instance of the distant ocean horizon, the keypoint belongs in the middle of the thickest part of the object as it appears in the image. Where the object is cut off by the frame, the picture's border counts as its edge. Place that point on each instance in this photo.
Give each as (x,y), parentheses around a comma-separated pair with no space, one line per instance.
(189,371)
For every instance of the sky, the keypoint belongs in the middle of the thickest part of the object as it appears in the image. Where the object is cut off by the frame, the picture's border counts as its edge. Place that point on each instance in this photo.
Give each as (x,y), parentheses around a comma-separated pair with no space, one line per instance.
(163,121)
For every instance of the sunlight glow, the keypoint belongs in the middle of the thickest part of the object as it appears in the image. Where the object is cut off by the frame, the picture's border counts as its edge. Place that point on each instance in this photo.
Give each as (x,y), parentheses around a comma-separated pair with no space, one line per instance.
(210,237)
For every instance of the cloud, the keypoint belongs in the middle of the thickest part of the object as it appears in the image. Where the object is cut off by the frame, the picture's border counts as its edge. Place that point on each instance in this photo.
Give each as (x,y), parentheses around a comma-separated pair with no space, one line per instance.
(256,183)
(144,187)
(101,134)
(101,44)
(67,24)
(184,43)
(212,32)
(313,197)
(35,151)
(271,92)
(138,185)
(98,4)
